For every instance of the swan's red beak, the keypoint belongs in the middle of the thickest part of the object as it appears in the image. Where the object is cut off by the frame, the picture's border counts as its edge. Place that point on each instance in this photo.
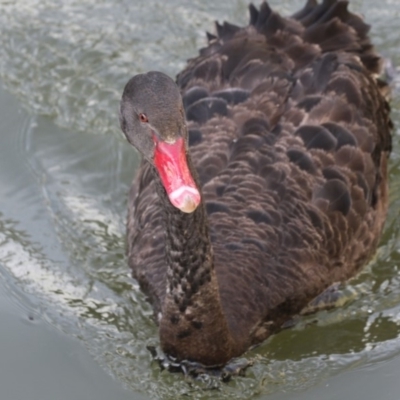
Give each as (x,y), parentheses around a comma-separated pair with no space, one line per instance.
(170,161)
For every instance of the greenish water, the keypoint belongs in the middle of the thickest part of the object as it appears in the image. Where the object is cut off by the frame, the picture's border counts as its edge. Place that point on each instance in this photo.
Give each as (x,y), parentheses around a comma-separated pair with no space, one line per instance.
(73,323)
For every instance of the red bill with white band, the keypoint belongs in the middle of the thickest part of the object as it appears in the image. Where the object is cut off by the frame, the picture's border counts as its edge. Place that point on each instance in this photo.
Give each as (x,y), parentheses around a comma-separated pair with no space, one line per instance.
(170,161)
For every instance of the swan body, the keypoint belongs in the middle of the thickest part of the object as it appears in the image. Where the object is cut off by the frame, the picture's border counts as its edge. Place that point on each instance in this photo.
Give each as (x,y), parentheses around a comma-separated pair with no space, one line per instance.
(263,179)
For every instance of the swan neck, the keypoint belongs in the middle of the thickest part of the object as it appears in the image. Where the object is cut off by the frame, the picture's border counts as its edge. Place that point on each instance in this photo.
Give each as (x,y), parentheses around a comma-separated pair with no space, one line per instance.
(193,325)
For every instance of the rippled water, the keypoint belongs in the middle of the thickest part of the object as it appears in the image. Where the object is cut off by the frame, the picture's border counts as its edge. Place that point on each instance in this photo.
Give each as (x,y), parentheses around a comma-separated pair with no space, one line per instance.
(65,171)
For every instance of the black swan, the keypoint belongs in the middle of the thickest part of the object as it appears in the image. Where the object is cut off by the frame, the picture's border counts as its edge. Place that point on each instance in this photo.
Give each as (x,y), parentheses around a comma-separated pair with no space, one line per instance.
(263,180)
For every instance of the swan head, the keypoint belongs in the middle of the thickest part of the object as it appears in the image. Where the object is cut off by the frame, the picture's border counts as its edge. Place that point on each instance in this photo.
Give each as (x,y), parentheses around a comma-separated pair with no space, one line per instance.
(153,121)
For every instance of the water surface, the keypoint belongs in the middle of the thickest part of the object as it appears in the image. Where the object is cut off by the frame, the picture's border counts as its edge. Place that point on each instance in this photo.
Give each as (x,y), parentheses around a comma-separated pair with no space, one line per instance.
(71,315)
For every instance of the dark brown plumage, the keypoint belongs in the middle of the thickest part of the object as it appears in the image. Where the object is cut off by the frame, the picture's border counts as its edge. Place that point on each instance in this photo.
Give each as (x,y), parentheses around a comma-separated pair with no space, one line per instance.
(289,134)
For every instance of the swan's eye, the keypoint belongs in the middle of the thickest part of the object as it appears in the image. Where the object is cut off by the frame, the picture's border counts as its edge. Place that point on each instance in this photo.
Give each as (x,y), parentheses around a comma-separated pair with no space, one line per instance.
(143,118)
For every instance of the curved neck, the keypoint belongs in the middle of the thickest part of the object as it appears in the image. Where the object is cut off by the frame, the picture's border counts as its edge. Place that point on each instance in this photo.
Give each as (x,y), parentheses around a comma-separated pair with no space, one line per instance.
(193,326)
